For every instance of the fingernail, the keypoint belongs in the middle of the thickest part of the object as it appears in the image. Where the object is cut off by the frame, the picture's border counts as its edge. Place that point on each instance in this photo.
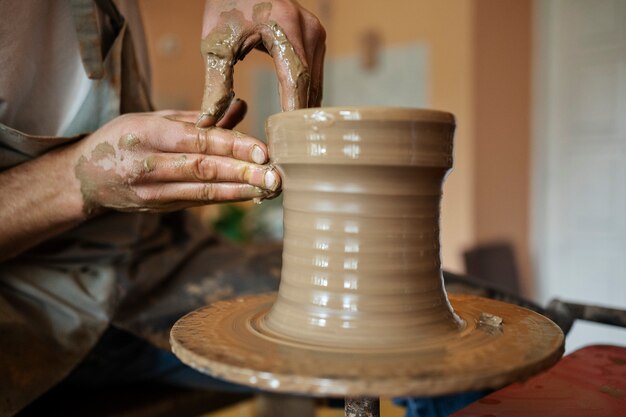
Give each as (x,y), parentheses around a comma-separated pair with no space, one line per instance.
(271,180)
(258,156)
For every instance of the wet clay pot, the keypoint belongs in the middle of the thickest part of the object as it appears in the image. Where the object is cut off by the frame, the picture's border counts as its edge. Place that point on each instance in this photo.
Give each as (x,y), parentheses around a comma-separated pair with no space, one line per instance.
(361,308)
(361,259)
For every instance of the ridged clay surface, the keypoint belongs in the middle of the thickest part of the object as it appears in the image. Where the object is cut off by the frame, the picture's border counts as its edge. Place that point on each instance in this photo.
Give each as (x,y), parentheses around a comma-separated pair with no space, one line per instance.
(361,308)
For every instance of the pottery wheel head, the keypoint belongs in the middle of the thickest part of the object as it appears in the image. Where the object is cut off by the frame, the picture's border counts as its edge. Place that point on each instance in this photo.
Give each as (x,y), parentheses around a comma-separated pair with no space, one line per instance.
(501,343)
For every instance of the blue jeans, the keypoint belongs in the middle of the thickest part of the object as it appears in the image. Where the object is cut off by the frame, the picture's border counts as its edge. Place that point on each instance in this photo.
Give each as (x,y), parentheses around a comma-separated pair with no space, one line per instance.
(438,406)
(121,358)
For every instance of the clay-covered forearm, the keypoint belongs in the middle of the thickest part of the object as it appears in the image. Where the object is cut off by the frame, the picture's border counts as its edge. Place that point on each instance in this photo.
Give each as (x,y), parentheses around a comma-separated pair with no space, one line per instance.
(38,200)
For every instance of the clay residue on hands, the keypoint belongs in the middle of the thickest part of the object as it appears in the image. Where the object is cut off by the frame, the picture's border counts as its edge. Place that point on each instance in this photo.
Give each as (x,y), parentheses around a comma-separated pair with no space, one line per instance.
(114,175)
(103,152)
(298,78)
(101,166)
(229,42)
(149,164)
(104,178)
(219,49)
(129,141)
(181,161)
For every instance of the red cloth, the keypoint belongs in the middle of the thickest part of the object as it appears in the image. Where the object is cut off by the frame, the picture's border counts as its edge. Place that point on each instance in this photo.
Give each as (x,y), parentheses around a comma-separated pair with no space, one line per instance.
(590,382)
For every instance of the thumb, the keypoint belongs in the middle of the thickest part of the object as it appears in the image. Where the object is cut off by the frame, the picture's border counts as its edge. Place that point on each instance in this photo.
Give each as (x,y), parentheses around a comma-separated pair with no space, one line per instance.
(235,114)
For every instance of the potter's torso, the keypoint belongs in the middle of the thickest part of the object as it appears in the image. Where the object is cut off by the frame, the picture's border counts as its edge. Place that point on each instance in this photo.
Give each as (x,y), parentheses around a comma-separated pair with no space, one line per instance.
(58,298)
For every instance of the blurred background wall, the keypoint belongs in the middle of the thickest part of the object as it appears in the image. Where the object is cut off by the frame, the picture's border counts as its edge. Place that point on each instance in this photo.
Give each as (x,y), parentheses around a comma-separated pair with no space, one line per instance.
(481,64)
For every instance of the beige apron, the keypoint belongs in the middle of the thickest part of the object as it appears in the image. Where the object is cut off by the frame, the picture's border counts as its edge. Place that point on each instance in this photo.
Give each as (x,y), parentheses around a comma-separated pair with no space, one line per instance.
(57,299)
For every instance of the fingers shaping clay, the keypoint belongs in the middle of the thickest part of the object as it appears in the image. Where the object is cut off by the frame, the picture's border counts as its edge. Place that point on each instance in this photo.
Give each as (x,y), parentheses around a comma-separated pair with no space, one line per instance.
(361,309)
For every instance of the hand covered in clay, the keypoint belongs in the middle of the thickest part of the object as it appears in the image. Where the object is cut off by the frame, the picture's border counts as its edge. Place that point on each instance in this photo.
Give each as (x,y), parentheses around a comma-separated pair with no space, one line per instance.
(161,161)
(289,33)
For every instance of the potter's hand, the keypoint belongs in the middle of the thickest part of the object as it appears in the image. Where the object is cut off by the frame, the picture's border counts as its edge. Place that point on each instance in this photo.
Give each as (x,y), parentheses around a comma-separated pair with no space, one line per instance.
(161,162)
(290,34)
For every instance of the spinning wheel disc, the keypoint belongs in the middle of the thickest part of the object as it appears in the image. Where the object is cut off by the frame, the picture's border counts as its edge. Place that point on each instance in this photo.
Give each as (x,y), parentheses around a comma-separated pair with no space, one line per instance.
(228,340)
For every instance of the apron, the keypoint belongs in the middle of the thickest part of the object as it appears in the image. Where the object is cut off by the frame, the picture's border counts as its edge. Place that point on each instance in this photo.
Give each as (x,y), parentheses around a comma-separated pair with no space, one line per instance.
(58,298)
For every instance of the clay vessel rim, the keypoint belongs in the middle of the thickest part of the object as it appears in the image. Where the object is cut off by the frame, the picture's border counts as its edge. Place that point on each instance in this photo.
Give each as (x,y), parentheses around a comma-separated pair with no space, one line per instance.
(360,113)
